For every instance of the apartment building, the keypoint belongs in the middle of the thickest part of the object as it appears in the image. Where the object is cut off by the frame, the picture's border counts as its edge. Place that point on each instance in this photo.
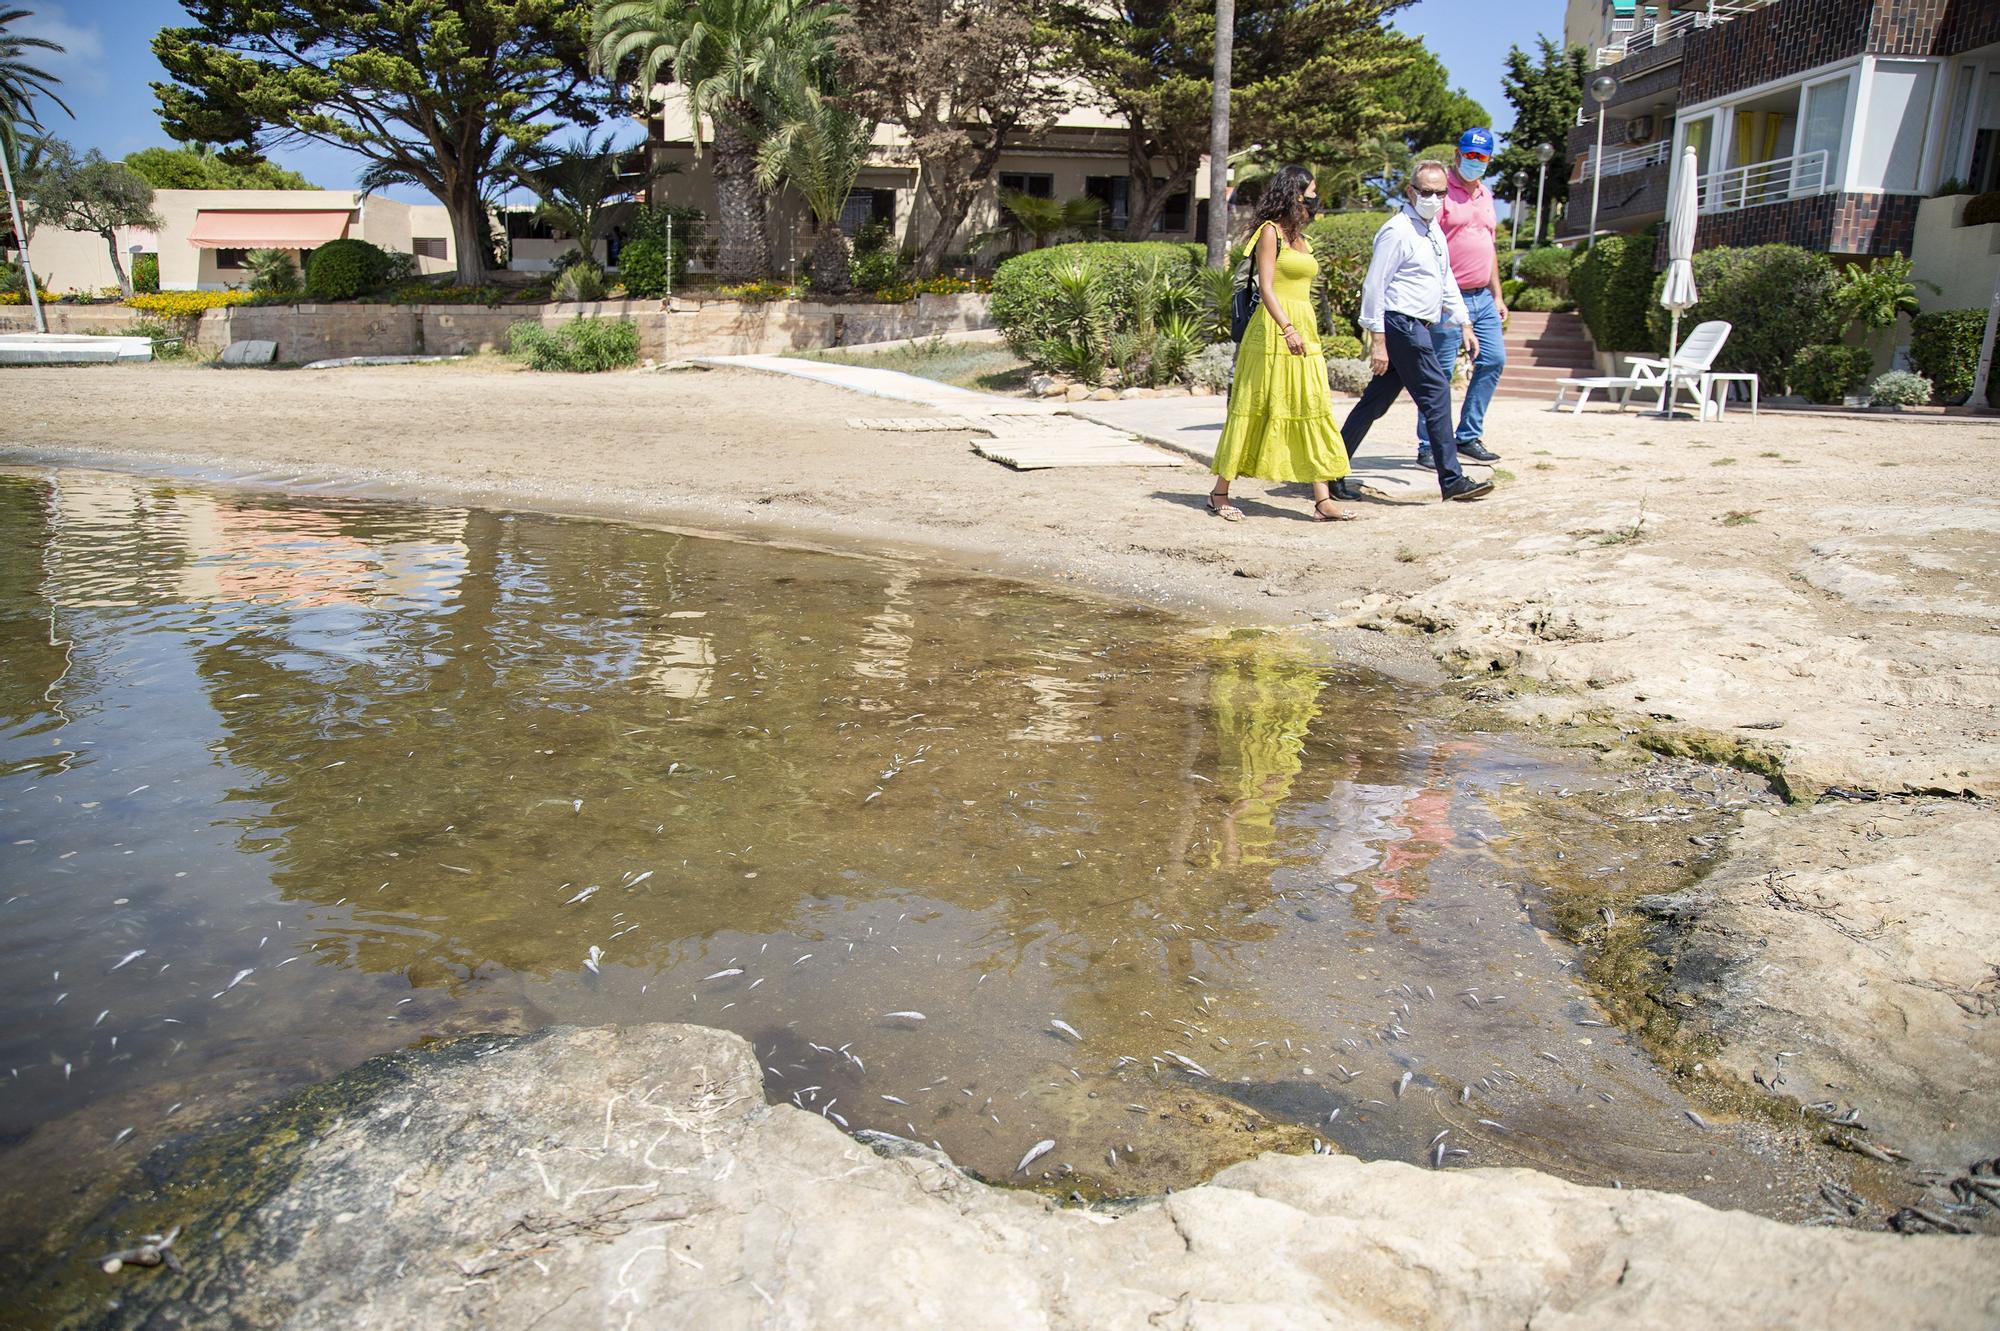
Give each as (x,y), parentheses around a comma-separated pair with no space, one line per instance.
(1821,123)
(1082,154)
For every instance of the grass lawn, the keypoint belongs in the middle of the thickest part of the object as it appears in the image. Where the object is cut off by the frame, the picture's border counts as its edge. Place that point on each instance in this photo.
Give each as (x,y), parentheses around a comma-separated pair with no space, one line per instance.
(988,367)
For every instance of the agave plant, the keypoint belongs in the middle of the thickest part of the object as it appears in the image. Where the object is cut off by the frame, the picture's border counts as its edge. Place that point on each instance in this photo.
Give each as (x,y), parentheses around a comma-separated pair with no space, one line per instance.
(1128,352)
(1081,305)
(1218,301)
(581,282)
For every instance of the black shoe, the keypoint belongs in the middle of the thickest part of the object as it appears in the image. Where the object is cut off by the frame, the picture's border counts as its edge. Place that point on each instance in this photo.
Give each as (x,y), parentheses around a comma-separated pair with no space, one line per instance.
(1468,489)
(1478,452)
(1347,489)
(1425,458)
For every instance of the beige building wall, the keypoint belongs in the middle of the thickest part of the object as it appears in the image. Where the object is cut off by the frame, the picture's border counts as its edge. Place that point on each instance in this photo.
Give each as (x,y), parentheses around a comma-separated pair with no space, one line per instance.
(78,261)
(1962,261)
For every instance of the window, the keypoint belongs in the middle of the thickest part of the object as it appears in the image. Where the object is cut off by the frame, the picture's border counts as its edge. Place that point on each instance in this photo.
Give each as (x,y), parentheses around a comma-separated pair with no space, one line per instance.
(1823,129)
(523,224)
(868,207)
(1983,172)
(429,247)
(1890,154)
(232,261)
(1034,184)
(1114,192)
(1174,217)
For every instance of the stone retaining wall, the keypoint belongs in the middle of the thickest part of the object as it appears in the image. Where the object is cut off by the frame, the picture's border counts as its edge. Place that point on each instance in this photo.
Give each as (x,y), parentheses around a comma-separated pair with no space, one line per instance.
(668,330)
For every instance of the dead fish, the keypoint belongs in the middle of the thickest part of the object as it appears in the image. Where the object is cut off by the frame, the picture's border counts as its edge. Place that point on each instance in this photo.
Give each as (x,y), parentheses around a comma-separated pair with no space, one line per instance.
(129,958)
(896,1100)
(596,954)
(584,895)
(1190,1065)
(241,976)
(1402,1084)
(906,1016)
(1035,1152)
(1490,1123)
(723,974)
(1066,1029)
(1696,1119)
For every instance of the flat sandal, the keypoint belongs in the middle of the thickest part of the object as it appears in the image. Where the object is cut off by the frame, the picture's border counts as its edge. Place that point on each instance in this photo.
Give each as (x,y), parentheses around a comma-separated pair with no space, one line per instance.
(1338,514)
(1218,504)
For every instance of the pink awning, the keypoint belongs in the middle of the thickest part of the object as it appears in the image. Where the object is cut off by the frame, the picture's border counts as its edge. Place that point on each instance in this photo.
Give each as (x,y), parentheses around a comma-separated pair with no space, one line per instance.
(267,229)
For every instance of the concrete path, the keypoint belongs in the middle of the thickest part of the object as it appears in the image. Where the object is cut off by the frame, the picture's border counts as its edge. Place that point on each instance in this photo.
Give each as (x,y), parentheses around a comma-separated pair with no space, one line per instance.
(1193,425)
(1025,435)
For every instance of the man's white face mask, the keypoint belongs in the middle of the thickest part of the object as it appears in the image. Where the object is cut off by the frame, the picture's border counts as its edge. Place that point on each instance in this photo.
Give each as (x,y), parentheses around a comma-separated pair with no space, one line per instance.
(1427,207)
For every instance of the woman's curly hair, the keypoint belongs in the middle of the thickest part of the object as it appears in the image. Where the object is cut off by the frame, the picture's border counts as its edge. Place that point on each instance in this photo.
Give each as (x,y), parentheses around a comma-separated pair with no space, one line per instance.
(1281,198)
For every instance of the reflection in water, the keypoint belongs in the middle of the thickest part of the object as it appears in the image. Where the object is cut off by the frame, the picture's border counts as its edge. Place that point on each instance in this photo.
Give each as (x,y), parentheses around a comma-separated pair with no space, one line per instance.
(286,783)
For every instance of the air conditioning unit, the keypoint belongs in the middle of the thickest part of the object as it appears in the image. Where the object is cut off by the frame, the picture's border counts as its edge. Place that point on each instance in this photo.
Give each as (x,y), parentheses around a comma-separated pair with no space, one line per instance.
(1639,129)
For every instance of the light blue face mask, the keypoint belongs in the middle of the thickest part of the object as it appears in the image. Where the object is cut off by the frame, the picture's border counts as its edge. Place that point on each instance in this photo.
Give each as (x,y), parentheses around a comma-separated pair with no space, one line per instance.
(1469,170)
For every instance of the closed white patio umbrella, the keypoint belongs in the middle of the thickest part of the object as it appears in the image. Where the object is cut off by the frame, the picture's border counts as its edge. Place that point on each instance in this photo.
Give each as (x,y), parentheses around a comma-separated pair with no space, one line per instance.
(1683,213)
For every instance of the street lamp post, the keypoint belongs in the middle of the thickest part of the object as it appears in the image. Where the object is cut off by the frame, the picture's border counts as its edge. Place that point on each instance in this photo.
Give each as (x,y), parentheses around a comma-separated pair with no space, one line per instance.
(1546,153)
(1602,89)
(1520,184)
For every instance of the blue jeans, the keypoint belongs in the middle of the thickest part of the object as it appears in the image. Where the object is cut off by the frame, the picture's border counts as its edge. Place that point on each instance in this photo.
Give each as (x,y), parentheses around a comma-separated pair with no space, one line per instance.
(1413,364)
(1486,366)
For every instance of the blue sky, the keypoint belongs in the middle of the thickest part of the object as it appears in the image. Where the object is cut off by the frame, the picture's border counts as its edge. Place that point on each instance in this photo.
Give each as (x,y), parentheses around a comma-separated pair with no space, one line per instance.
(109,66)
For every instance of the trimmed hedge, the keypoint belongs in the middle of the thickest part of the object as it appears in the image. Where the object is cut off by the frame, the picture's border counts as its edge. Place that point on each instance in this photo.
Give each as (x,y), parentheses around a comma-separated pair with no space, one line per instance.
(1343,243)
(1024,289)
(1612,283)
(344,269)
(1828,373)
(1536,300)
(1548,268)
(1778,298)
(1944,348)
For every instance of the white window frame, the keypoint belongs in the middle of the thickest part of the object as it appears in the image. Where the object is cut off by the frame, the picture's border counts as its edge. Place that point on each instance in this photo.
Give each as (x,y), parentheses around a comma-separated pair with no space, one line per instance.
(1857,107)
(1853,67)
(1961,152)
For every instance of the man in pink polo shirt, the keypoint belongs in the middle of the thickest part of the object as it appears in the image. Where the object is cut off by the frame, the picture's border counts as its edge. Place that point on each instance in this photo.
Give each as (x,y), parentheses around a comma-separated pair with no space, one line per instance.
(1469,230)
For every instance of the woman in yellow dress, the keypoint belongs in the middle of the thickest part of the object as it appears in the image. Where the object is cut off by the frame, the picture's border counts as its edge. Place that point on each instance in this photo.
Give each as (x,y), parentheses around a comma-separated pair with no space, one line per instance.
(1280,425)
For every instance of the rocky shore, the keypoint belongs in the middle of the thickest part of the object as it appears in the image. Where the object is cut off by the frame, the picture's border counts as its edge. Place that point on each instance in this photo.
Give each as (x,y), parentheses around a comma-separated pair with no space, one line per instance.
(636,1177)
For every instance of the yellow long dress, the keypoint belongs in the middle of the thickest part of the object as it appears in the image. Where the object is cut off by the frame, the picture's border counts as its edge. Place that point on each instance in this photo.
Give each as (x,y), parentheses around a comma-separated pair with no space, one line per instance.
(1280,425)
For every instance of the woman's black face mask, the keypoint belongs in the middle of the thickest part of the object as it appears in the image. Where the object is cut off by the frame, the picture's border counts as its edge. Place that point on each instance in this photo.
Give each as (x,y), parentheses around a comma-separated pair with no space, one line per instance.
(1311,206)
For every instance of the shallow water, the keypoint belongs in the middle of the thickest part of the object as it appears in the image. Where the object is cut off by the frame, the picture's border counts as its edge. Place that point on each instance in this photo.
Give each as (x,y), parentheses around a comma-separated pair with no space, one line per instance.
(288,782)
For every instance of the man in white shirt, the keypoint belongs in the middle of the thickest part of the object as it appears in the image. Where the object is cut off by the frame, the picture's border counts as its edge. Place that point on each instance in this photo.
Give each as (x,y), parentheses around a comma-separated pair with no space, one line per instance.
(1409,289)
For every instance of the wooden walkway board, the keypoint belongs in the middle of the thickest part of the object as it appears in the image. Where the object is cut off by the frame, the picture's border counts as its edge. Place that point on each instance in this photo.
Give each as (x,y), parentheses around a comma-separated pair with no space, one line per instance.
(1038,452)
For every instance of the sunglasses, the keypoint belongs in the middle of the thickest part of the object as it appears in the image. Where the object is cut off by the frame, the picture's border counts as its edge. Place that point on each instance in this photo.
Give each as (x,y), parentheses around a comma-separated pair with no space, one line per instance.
(1476,157)
(1432,193)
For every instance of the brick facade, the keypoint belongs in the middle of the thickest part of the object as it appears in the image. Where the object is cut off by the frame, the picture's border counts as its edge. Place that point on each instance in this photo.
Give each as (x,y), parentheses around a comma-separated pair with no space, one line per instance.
(1860,224)
(1794,36)
(1775,42)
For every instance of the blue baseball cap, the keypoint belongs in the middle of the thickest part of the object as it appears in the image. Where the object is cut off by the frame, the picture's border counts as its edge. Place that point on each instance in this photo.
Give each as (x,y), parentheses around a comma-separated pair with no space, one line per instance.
(1476,141)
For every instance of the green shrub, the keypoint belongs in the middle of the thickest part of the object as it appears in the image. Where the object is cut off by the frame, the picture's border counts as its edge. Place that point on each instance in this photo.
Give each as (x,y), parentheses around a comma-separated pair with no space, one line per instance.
(1944,347)
(344,269)
(1174,349)
(146,272)
(1348,376)
(1536,300)
(643,266)
(1039,296)
(1982,209)
(1548,269)
(581,346)
(1612,284)
(646,259)
(1900,388)
(1828,373)
(1342,347)
(1215,367)
(582,282)
(1778,298)
(1511,289)
(1343,243)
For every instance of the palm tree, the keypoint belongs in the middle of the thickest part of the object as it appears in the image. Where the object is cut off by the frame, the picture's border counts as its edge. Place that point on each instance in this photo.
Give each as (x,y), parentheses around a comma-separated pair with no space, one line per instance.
(1042,221)
(580,184)
(733,60)
(20,82)
(820,147)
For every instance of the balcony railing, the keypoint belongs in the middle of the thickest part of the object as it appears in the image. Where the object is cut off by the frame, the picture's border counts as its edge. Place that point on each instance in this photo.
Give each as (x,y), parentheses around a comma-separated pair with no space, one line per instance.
(1627,160)
(1645,36)
(1763,183)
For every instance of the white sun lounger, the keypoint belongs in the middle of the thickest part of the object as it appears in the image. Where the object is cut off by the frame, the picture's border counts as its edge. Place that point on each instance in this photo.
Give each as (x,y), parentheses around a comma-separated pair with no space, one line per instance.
(1693,373)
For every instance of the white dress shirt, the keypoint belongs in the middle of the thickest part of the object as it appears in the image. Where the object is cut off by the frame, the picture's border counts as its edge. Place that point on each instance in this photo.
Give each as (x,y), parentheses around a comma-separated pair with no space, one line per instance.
(1410,274)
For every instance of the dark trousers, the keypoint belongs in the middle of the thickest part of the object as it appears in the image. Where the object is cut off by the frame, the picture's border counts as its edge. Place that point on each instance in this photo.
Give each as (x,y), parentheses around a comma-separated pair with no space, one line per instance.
(1413,364)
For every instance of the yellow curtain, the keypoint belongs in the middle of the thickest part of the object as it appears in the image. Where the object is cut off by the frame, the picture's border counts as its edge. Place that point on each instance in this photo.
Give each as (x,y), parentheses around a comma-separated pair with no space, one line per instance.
(1739,151)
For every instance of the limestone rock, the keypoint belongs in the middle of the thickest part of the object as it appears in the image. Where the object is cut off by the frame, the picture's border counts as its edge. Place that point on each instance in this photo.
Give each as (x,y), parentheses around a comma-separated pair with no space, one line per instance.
(589,1178)
(1043,385)
(1077,393)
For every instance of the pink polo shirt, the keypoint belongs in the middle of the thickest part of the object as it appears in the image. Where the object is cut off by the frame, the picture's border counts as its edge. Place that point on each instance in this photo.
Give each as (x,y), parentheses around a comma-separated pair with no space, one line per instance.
(1469,227)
